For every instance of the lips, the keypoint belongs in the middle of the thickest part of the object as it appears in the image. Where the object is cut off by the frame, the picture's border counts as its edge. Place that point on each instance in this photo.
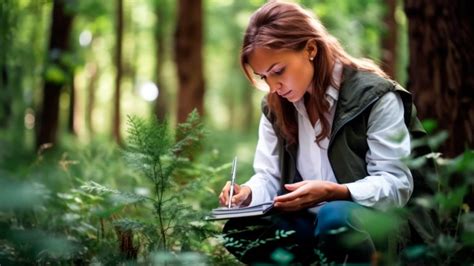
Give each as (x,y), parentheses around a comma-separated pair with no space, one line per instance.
(285,94)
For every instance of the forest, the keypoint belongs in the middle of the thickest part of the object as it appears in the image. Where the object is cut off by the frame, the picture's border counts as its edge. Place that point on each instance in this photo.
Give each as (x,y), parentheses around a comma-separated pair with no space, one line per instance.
(119,121)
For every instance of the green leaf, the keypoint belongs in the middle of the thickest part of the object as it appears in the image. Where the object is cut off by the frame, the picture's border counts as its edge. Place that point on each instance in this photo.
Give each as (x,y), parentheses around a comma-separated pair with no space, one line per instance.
(281,256)
(55,74)
(415,252)
(429,125)
(452,200)
(130,224)
(468,229)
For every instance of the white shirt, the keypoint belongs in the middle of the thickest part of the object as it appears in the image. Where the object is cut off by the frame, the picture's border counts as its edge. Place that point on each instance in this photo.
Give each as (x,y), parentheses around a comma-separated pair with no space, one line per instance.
(389,182)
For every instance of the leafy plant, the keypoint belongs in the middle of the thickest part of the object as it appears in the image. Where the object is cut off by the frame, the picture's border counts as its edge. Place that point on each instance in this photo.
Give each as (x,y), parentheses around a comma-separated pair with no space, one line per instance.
(452,181)
(166,164)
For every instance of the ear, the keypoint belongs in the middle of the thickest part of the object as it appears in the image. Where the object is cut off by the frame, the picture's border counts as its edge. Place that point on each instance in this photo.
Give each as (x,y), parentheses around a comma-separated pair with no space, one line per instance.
(311,48)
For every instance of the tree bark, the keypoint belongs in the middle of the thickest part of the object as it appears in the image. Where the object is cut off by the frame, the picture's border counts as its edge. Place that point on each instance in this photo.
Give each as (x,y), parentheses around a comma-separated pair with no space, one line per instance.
(58,45)
(161,106)
(441,72)
(72,106)
(389,40)
(118,75)
(5,97)
(8,14)
(91,87)
(188,54)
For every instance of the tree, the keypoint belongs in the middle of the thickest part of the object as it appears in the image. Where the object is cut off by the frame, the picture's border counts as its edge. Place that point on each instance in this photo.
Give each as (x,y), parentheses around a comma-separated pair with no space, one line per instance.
(188,55)
(57,73)
(7,24)
(93,72)
(161,9)
(389,40)
(441,71)
(118,74)
(72,117)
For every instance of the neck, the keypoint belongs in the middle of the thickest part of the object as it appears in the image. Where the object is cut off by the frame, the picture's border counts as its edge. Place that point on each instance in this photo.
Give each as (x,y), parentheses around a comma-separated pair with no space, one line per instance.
(311,109)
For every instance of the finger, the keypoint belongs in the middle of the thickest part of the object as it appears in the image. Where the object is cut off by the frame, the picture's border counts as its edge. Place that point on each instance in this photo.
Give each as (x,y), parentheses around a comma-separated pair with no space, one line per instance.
(290,196)
(296,185)
(296,204)
(221,199)
(239,198)
(292,205)
(236,189)
(224,196)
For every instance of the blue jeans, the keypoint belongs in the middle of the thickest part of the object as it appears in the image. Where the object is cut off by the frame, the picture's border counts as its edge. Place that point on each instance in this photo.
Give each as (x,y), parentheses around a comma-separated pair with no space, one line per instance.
(334,234)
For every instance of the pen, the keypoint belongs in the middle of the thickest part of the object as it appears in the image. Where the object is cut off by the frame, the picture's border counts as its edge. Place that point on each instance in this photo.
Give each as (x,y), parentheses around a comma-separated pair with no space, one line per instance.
(232,181)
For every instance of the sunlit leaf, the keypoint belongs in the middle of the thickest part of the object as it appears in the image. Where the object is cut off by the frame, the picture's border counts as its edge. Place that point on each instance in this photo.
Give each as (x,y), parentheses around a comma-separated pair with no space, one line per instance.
(55,74)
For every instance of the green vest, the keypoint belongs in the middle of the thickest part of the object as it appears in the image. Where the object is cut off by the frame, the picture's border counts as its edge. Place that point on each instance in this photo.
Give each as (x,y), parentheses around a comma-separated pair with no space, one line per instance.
(358,92)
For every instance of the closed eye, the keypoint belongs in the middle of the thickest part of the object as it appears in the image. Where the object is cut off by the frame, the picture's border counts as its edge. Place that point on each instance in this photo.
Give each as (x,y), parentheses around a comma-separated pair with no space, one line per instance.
(279,72)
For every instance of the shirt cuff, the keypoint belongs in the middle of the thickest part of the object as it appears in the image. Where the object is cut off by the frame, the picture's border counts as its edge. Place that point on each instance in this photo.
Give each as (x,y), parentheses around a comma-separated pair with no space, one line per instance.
(360,193)
(259,194)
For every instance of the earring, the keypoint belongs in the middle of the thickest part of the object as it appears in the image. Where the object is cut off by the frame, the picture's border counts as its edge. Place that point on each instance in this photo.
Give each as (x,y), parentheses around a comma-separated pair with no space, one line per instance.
(311,59)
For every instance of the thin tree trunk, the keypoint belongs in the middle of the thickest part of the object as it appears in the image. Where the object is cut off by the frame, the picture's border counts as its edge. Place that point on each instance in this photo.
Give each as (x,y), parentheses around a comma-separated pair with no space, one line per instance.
(389,40)
(91,87)
(72,106)
(8,14)
(118,75)
(60,30)
(5,97)
(161,107)
(248,109)
(441,71)
(188,54)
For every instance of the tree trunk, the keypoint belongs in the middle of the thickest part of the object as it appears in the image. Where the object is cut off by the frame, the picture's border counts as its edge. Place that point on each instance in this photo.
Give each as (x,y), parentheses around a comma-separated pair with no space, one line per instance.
(72,106)
(441,72)
(91,87)
(8,14)
(188,54)
(58,45)
(5,97)
(389,40)
(118,75)
(161,106)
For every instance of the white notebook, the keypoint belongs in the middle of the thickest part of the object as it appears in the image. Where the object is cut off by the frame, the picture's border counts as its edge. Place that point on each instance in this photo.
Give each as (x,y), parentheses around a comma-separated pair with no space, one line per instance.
(236,212)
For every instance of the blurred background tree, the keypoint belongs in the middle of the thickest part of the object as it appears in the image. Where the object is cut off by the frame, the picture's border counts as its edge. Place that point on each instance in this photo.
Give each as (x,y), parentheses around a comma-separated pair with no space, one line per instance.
(441,73)
(157,57)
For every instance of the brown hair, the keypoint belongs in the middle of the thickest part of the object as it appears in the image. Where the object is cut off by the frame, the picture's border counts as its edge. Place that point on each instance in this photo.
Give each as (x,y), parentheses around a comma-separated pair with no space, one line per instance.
(282,25)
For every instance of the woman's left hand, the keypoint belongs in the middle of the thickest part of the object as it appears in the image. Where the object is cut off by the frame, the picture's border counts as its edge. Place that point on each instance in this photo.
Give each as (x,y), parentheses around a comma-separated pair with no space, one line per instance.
(306,194)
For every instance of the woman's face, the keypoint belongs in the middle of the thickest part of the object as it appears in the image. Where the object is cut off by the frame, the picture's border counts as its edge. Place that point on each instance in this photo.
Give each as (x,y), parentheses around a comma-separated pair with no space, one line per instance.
(286,72)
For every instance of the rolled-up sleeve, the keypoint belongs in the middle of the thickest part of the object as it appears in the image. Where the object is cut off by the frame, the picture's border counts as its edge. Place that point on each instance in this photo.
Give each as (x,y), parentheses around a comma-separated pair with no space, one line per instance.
(265,182)
(389,182)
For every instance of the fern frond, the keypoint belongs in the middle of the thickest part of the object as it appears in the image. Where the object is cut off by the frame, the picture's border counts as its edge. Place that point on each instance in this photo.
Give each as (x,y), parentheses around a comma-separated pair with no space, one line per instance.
(188,135)
(130,224)
(150,138)
(128,197)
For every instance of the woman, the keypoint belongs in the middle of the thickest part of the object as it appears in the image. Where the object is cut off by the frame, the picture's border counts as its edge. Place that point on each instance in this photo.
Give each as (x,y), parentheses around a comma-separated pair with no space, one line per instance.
(331,139)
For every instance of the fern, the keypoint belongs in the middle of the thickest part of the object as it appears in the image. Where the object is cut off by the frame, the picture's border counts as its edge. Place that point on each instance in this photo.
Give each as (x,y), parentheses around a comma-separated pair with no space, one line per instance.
(130,198)
(151,150)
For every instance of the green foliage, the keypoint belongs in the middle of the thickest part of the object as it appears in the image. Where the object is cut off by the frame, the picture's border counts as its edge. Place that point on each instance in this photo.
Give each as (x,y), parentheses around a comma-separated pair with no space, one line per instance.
(157,156)
(242,246)
(453,183)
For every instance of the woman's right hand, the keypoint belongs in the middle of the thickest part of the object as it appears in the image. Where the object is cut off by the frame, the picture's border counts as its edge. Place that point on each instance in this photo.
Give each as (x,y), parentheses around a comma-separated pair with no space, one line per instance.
(242,195)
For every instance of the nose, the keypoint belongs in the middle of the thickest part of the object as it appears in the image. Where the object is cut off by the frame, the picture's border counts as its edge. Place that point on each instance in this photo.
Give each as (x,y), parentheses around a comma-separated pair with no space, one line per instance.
(274,85)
